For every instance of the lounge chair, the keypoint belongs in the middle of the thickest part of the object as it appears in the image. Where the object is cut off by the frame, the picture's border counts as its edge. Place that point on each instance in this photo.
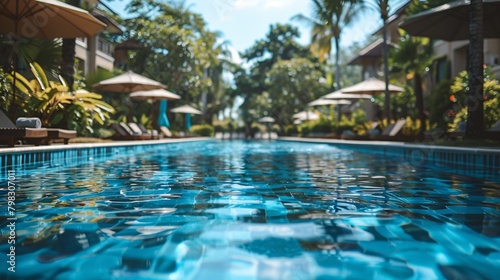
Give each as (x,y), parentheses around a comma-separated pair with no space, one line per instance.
(57,133)
(166,132)
(139,129)
(219,135)
(393,132)
(123,132)
(492,133)
(373,131)
(459,133)
(10,133)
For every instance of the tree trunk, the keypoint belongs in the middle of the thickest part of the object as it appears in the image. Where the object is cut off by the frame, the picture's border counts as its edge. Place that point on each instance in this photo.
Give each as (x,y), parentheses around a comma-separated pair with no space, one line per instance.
(475,110)
(67,70)
(68,62)
(419,96)
(387,97)
(337,66)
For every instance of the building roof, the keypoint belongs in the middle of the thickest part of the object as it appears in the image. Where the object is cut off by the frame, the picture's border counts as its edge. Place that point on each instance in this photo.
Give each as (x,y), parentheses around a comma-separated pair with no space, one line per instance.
(374,50)
(401,11)
(111,25)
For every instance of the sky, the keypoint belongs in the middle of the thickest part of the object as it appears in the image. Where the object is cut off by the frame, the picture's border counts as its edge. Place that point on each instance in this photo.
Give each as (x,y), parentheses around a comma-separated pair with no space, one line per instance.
(242,22)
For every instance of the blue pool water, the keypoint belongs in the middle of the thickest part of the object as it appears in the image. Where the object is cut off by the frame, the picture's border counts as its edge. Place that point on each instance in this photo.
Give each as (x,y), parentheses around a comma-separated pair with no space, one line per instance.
(252,210)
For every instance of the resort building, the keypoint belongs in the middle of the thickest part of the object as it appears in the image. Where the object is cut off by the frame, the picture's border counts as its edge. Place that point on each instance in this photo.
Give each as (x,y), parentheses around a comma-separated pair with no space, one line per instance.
(96,51)
(450,57)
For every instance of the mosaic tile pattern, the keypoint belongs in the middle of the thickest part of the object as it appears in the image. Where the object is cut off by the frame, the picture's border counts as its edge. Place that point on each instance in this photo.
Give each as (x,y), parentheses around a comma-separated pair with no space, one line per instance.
(254,210)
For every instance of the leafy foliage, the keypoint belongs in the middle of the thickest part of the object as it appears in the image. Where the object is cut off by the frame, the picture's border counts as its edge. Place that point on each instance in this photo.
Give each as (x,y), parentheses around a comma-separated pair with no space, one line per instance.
(439,105)
(459,90)
(56,106)
(328,20)
(179,51)
(293,83)
(202,130)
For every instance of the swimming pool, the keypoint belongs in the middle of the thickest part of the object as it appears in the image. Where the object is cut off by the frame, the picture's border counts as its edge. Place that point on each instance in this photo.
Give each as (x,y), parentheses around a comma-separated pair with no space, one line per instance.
(252,210)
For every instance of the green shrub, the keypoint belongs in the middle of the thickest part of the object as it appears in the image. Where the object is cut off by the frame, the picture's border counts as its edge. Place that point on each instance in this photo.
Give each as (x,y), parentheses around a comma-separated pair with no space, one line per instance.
(491,115)
(491,96)
(291,129)
(202,130)
(255,129)
(439,105)
(219,128)
(51,101)
(323,125)
(304,129)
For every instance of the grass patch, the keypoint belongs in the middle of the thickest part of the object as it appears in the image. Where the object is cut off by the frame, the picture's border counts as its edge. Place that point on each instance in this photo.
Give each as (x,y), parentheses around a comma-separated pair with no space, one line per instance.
(89,140)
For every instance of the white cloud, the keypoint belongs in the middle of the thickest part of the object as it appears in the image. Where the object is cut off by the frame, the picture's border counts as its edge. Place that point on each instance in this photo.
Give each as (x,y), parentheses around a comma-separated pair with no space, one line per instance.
(243,4)
(277,4)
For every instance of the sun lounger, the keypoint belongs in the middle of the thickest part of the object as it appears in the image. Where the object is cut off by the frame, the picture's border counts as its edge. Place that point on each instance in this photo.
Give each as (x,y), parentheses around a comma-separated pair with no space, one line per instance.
(492,133)
(123,132)
(393,132)
(10,133)
(57,133)
(167,133)
(373,131)
(141,130)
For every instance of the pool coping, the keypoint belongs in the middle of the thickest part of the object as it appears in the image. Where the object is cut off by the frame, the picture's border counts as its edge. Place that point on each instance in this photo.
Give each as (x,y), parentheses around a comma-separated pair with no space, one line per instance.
(414,153)
(78,153)
(57,147)
(419,154)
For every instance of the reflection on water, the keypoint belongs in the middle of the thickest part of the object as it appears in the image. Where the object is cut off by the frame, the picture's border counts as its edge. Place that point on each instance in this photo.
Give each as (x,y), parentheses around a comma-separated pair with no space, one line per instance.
(254,210)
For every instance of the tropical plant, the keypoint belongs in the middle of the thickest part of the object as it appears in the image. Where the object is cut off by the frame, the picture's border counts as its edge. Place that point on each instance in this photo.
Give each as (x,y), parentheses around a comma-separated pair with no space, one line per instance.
(462,104)
(256,85)
(178,50)
(202,129)
(328,20)
(56,106)
(5,89)
(412,57)
(293,83)
(439,106)
(491,115)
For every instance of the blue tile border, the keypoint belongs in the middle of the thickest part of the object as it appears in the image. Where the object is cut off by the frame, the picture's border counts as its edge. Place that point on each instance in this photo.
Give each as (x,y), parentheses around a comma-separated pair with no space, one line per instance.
(420,154)
(417,154)
(76,154)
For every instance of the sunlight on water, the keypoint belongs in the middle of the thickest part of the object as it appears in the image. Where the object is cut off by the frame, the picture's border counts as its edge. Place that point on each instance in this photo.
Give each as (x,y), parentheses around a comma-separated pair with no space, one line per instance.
(254,210)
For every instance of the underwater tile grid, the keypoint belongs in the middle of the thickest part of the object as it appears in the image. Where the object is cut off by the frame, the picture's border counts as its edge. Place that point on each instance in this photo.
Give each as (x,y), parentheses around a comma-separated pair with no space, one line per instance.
(253,210)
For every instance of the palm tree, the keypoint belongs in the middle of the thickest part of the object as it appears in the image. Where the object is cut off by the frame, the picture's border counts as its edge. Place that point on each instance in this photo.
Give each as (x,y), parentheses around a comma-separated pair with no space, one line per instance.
(217,60)
(412,57)
(383,7)
(475,109)
(328,20)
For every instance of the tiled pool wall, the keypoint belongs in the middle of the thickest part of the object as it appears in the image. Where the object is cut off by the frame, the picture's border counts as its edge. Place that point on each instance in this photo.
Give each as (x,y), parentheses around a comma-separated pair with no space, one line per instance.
(73,155)
(450,157)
